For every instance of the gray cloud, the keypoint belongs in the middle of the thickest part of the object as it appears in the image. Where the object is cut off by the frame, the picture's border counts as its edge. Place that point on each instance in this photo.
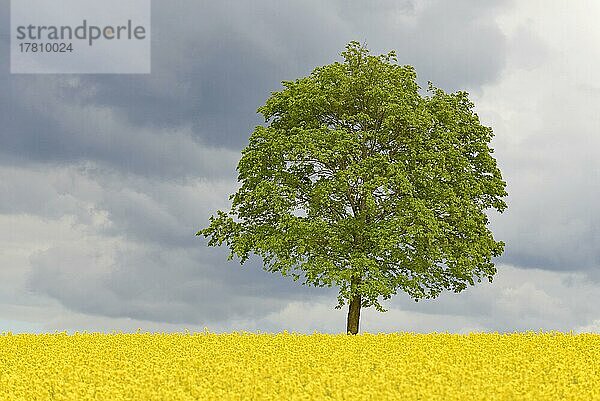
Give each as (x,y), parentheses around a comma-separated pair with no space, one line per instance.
(553,220)
(215,63)
(154,284)
(224,60)
(112,204)
(124,247)
(104,179)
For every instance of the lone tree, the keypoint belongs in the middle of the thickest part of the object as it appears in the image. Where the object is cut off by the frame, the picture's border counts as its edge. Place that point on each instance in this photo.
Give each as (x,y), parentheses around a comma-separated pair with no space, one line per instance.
(360,182)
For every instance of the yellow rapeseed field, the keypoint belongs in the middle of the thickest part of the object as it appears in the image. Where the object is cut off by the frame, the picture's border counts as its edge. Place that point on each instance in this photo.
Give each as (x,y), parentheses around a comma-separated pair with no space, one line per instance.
(248,366)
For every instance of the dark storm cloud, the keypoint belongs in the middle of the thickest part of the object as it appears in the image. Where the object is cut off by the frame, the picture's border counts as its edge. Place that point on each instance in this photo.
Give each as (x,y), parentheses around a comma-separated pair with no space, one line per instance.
(42,125)
(214,63)
(223,59)
(142,160)
(457,45)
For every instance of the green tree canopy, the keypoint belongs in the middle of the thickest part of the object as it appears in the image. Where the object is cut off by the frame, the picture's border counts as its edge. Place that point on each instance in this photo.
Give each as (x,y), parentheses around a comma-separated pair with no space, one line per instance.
(359,181)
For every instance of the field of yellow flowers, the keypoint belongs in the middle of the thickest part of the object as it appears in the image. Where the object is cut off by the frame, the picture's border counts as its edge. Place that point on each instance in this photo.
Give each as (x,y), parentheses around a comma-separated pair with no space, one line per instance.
(290,366)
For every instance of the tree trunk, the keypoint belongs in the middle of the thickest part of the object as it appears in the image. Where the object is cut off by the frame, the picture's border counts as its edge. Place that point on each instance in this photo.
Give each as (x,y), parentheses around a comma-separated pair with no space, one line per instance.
(353,315)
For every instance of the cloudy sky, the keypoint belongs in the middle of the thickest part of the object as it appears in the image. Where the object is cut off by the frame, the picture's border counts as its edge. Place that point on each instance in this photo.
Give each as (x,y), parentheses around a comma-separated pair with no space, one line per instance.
(105,179)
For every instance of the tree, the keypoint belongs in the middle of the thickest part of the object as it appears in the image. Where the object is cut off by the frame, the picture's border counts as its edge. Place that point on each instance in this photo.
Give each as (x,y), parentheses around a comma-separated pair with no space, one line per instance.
(359,181)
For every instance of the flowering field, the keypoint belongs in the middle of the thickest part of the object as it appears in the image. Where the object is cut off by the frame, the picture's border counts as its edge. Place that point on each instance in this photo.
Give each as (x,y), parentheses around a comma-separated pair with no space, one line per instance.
(248,366)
